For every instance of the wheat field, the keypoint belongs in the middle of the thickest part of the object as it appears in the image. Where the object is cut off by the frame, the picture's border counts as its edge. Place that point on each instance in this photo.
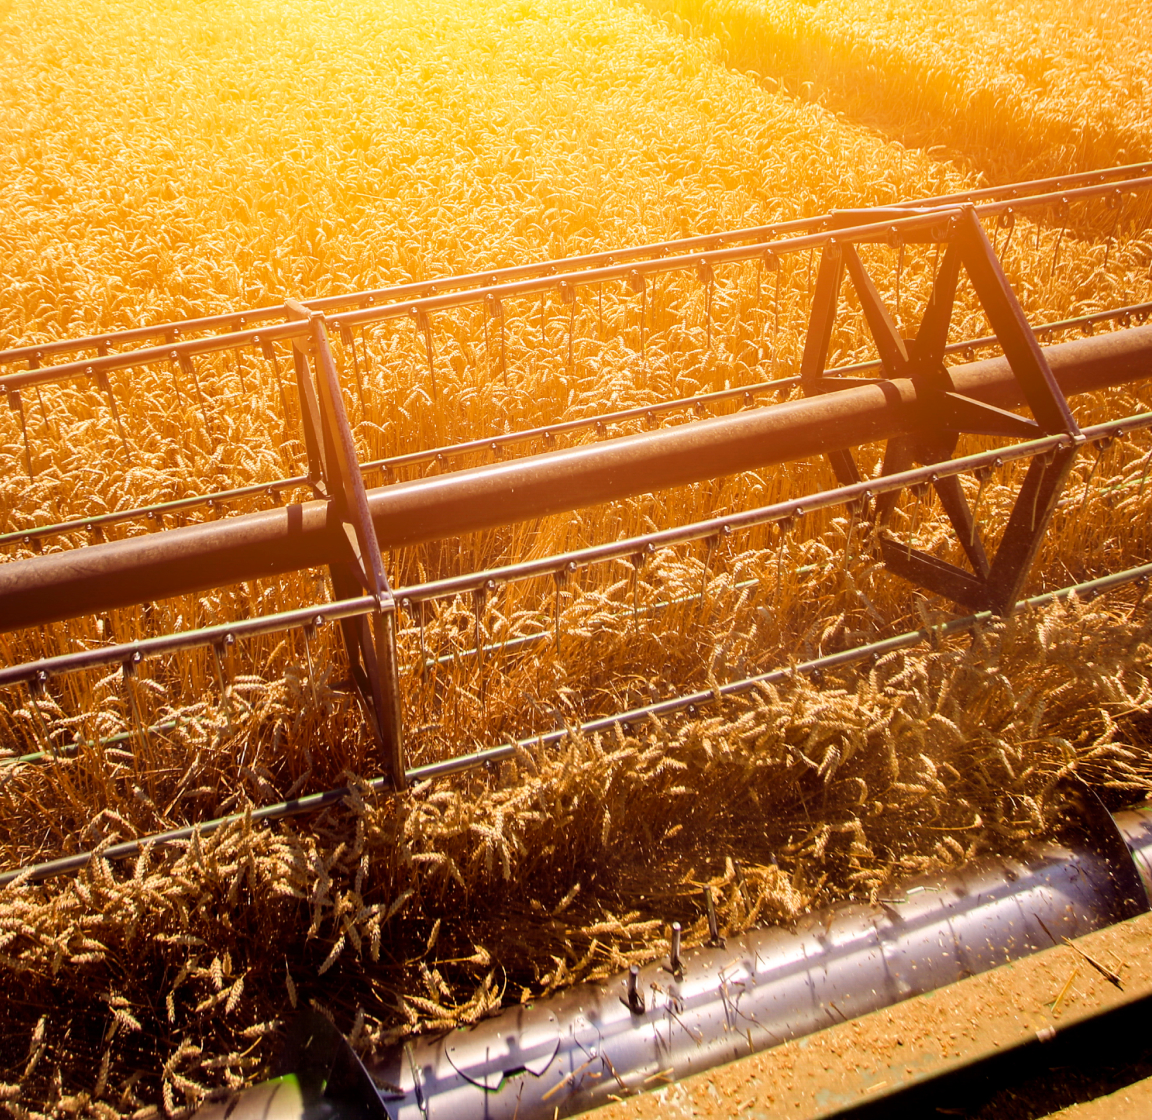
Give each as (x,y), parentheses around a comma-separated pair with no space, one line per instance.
(1014,90)
(208,158)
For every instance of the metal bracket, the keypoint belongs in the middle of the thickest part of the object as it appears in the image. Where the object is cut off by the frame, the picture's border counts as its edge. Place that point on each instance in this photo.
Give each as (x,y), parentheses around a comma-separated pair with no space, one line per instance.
(371,643)
(945,414)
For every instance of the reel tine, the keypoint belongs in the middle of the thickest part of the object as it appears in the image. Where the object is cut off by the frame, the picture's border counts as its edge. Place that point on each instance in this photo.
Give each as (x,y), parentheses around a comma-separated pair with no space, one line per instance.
(423,323)
(223,678)
(188,368)
(308,630)
(1062,212)
(38,693)
(494,309)
(17,405)
(48,429)
(479,606)
(128,675)
(637,283)
(34,363)
(239,354)
(269,352)
(106,389)
(899,276)
(568,296)
(420,606)
(348,341)
(707,276)
(561,577)
(784,527)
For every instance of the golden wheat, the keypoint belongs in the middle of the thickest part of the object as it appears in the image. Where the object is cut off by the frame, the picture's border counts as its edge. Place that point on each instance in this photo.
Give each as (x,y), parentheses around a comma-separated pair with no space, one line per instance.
(1017,90)
(235,154)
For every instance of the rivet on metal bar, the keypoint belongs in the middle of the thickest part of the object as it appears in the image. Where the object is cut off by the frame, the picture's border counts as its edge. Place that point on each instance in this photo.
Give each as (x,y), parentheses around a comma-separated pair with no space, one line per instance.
(635,999)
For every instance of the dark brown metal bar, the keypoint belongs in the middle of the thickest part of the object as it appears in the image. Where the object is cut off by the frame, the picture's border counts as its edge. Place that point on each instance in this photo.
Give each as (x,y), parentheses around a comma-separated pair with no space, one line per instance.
(411,598)
(1008,321)
(178,561)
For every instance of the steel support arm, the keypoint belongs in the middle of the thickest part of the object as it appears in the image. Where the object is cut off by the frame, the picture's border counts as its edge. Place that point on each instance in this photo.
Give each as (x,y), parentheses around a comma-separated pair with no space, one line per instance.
(252,546)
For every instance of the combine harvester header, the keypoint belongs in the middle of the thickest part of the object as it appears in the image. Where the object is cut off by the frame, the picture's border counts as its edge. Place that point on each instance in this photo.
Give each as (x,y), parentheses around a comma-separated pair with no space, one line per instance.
(911,398)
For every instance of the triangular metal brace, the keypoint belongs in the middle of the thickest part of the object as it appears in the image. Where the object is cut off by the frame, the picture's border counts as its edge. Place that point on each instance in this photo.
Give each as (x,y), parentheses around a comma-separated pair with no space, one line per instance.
(945,414)
(370,640)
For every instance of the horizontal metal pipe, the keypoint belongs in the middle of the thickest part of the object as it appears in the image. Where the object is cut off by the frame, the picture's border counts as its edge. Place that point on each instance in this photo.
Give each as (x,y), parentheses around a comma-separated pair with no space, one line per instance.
(179,561)
(596,1042)
(564,562)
